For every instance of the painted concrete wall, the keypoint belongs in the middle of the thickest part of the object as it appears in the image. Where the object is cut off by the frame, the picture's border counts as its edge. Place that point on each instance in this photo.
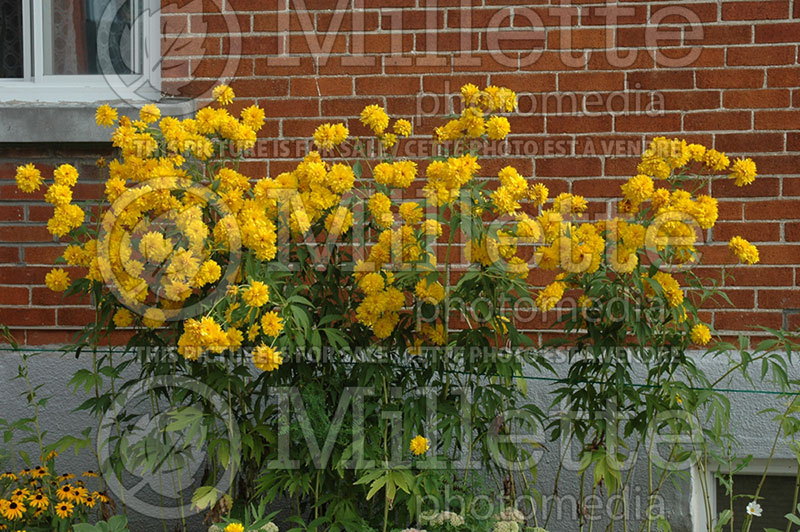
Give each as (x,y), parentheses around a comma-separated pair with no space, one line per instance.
(754,431)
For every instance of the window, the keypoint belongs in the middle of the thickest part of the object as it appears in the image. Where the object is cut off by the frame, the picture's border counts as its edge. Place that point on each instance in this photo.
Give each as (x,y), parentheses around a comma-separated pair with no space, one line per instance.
(79,50)
(777,494)
(778,498)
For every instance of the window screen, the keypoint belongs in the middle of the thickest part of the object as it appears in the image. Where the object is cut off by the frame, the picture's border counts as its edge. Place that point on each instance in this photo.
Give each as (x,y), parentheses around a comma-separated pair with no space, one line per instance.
(776,499)
(12,59)
(87,37)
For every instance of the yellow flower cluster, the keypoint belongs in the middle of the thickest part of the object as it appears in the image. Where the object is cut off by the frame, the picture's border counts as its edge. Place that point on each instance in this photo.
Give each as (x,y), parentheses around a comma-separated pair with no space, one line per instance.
(744,250)
(473,122)
(29,496)
(665,220)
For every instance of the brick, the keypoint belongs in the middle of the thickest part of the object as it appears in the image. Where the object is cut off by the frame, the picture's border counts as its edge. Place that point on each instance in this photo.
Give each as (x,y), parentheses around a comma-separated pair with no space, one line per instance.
(336,67)
(747,321)
(16,295)
(791,186)
(12,213)
(755,10)
(763,187)
(753,231)
(775,209)
(761,55)
(774,164)
(618,59)
(792,231)
(664,123)
(190,46)
(782,120)
(327,86)
(591,81)
(717,120)
(578,124)
(777,32)
(648,36)
(393,85)
(218,23)
(9,254)
(687,58)
(726,79)
(525,82)
(756,99)
(602,15)
(251,88)
(743,143)
(778,299)
(761,275)
(695,99)
(24,234)
(564,167)
(22,316)
(573,39)
(661,79)
(598,188)
(41,254)
(783,77)
(779,254)
(716,35)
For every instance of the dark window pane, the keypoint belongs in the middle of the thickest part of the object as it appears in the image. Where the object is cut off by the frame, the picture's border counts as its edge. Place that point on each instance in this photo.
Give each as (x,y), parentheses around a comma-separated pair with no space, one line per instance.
(776,499)
(11,57)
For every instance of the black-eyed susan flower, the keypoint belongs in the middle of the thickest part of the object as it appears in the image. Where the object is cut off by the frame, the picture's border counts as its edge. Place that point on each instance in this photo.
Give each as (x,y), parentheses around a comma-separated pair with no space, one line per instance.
(8,475)
(91,474)
(79,494)
(20,494)
(39,472)
(13,510)
(64,509)
(39,501)
(101,497)
(65,492)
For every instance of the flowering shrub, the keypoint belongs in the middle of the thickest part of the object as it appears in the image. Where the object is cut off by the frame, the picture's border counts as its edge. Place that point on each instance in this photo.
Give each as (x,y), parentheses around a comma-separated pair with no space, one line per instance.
(186,250)
(333,284)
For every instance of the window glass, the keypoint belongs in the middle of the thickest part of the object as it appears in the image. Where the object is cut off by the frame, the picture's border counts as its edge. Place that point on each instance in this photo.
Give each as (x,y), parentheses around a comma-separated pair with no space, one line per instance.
(12,59)
(88,37)
(776,498)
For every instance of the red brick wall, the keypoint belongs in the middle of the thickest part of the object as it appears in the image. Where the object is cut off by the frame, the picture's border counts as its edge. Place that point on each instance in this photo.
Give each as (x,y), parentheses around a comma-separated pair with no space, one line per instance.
(725,74)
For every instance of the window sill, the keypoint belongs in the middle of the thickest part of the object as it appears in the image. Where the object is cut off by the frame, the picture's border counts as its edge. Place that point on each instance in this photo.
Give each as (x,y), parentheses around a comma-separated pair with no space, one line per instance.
(25,122)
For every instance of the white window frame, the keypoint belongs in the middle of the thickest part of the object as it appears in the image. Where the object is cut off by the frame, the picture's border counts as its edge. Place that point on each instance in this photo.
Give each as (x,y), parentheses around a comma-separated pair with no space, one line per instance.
(36,86)
(778,467)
